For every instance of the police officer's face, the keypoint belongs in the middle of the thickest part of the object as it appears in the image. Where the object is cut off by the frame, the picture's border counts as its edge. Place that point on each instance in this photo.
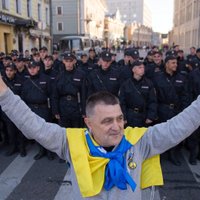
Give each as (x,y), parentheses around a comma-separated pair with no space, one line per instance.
(36,58)
(48,63)
(84,59)
(19,65)
(138,70)
(105,64)
(33,70)
(106,124)
(171,65)
(92,54)
(157,58)
(10,72)
(69,64)
(43,54)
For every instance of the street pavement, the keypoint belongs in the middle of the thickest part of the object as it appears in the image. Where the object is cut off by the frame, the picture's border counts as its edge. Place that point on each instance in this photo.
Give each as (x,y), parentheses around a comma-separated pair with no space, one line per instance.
(27,179)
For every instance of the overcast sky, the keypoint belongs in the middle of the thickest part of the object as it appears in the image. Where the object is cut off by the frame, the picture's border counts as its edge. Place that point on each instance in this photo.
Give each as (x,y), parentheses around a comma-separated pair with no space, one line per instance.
(162,14)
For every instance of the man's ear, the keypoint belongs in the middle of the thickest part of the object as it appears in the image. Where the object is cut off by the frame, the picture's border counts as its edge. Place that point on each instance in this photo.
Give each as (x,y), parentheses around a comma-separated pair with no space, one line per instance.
(87,121)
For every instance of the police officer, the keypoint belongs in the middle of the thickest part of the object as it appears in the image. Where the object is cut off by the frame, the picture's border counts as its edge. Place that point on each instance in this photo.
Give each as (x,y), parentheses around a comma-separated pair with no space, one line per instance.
(57,64)
(84,65)
(48,68)
(69,94)
(126,71)
(158,65)
(183,67)
(194,139)
(105,78)
(172,94)
(15,137)
(138,98)
(36,92)
(22,71)
(92,60)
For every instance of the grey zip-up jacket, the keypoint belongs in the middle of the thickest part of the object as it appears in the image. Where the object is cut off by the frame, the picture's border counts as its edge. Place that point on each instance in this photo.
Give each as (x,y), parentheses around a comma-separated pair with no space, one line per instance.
(156,140)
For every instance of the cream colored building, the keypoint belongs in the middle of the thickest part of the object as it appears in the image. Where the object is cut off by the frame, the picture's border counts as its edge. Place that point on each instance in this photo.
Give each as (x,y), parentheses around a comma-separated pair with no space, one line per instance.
(138,35)
(113,29)
(186,30)
(24,24)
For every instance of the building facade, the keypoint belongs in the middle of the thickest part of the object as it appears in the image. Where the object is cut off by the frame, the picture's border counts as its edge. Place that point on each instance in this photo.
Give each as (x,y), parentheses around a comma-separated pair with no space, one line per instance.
(132,11)
(138,35)
(78,17)
(24,24)
(113,29)
(186,29)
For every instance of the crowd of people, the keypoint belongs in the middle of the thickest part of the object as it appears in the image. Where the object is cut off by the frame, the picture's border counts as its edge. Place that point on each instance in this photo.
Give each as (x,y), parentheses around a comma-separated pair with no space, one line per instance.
(151,91)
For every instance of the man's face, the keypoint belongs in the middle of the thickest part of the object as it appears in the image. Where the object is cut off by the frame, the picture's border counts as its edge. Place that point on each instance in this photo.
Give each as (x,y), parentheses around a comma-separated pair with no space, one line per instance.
(10,72)
(105,64)
(48,63)
(106,124)
(84,59)
(36,58)
(138,70)
(157,58)
(69,64)
(43,54)
(19,65)
(92,54)
(192,51)
(33,70)
(171,65)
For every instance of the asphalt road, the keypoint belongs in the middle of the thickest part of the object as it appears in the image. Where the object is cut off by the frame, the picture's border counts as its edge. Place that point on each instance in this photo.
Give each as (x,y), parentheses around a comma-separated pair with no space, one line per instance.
(27,179)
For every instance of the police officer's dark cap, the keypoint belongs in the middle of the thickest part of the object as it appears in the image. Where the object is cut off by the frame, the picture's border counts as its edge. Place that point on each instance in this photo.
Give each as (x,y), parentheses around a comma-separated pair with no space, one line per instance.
(2,54)
(172,52)
(170,57)
(34,49)
(84,54)
(198,50)
(33,64)
(127,52)
(134,53)
(106,56)
(49,57)
(7,58)
(92,49)
(157,52)
(43,48)
(69,56)
(180,51)
(150,53)
(136,64)
(20,59)
(11,65)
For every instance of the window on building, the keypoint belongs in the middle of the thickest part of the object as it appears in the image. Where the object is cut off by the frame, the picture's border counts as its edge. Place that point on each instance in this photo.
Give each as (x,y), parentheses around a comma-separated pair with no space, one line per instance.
(59,10)
(60,26)
(47,15)
(18,6)
(39,12)
(29,13)
(5,4)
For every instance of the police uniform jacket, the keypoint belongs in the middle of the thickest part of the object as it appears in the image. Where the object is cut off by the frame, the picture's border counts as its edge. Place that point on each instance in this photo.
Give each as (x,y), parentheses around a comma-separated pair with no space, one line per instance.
(172,94)
(104,80)
(194,84)
(152,69)
(139,97)
(36,92)
(69,93)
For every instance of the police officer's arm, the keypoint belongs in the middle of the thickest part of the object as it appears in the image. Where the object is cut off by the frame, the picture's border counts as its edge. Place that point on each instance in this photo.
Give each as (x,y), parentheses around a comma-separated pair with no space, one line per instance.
(151,104)
(51,136)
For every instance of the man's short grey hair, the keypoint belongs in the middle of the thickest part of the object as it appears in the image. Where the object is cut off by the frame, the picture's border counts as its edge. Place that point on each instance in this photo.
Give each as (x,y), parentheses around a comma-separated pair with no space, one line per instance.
(103,97)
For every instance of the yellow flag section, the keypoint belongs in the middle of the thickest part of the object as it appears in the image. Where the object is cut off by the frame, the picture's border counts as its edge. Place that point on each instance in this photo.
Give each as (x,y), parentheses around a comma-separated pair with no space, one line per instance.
(90,170)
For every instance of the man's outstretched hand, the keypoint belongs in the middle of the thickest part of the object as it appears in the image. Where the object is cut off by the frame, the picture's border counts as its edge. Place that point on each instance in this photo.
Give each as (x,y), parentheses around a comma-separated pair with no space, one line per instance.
(3,86)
